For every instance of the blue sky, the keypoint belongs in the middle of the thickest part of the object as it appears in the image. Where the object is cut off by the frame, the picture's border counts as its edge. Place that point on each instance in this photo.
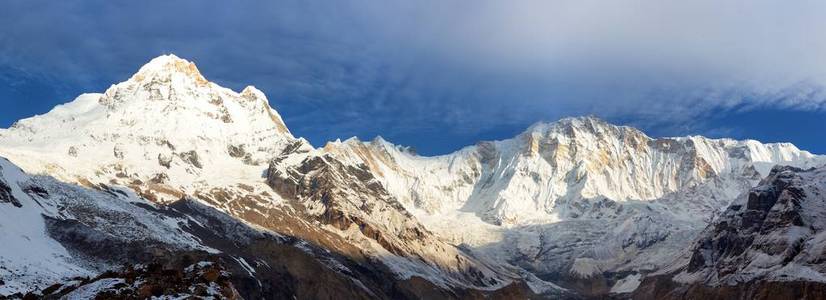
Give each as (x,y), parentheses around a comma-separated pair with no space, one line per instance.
(439,75)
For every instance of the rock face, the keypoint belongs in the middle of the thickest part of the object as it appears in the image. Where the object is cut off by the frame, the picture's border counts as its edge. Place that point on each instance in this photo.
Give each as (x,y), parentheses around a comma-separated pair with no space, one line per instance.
(168,163)
(768,244)
(773,207)
(6,196)
(349,198)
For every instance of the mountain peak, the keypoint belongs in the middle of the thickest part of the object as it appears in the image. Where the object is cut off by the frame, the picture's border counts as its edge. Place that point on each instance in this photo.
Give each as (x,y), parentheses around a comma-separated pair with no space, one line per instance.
(165,117)
(251,92)
(167,66)
(590,123)
(567,123)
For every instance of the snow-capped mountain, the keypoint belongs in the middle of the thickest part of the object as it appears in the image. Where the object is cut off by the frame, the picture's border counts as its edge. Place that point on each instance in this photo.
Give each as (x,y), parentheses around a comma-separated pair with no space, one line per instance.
(166,125)
(577,203)
(575,198)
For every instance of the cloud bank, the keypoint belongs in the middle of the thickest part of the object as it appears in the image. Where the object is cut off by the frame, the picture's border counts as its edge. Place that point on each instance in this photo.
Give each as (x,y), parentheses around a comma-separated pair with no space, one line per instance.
(451,70)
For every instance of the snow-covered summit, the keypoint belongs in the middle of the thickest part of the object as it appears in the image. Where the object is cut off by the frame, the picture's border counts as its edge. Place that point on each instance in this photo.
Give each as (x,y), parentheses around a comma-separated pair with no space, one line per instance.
(168,65)
(166,124)
(589,123)
(550,166)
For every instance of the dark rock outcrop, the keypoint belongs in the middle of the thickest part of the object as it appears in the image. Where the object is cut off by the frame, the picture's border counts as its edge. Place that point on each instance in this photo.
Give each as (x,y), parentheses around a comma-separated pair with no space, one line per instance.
(192,158)
(6,194)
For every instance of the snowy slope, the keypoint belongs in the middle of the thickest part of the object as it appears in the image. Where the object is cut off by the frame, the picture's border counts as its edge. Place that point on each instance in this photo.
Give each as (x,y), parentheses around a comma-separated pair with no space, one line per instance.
(28,256)
(32,259)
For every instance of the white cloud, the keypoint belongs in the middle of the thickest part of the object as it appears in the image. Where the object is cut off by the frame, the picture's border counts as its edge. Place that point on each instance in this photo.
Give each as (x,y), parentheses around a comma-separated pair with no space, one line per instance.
(721,53)
(342,68)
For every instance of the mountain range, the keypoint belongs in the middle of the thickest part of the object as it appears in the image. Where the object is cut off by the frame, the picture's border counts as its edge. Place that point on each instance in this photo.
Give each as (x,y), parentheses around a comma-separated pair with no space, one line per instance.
(168,184)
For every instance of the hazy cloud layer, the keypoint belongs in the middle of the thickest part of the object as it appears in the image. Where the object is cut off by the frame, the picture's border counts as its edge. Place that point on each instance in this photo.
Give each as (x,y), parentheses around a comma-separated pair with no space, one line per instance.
(450,72)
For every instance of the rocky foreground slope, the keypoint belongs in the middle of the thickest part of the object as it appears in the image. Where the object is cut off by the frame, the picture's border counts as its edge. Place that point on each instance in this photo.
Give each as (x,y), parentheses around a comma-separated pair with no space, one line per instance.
(768,244)
(575,208)
(63,240)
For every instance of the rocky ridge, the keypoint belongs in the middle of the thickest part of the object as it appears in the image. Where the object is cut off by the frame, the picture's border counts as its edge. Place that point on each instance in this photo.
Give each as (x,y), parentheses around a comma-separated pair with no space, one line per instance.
(768,244)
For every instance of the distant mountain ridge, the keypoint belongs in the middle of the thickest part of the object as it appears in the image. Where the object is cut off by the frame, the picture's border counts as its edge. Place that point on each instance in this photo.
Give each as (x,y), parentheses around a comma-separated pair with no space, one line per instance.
(574,208)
